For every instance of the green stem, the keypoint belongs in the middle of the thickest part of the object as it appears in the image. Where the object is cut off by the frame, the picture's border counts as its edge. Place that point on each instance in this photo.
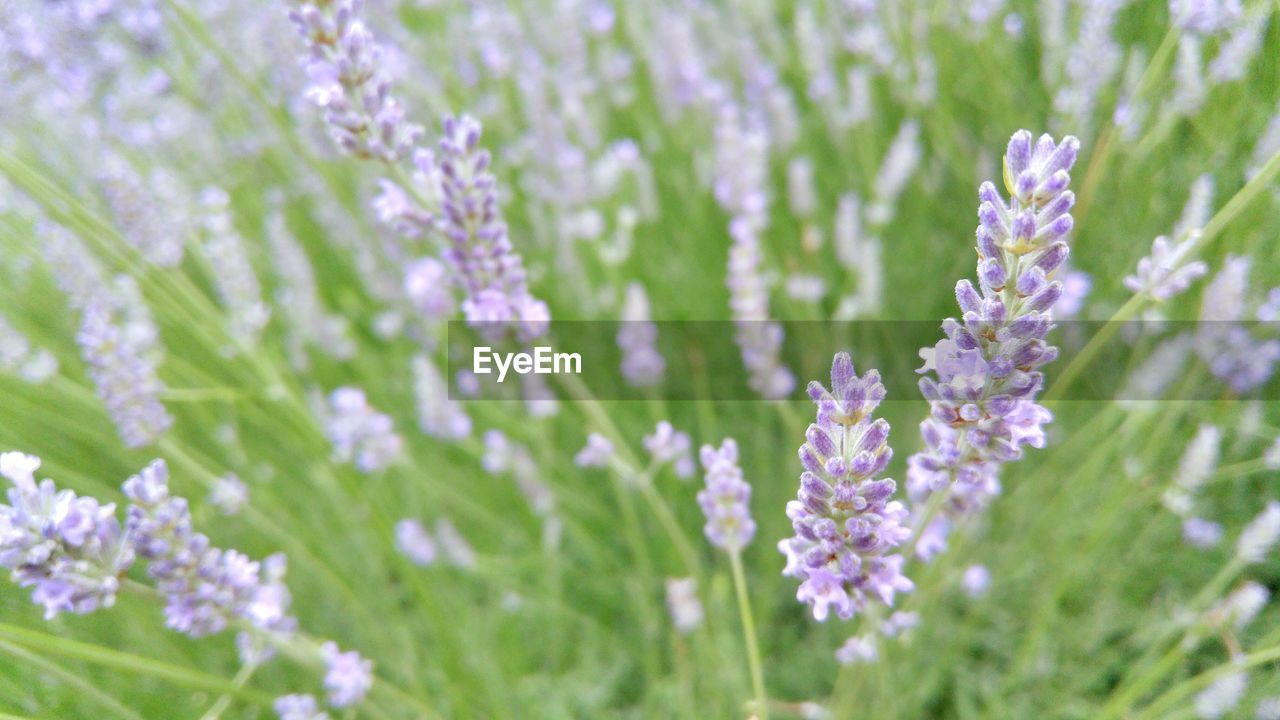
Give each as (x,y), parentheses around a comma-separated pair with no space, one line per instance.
(749,631)
(224,700)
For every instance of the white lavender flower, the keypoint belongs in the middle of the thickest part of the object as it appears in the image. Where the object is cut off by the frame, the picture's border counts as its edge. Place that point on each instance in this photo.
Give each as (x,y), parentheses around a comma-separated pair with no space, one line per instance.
(1231,351)
(413,541)
(668,445)
(596,453)
(298,707)
(899,164)
(1259,537)
(359,433)
(1242,606)
(148,214)
(985,377)
(1268,709)
(298,296)
(1198,462)
(34,365)
(642,364)
(726,499)
(976,580)
(845,521)
(69,549)
(1271,457)
(438,416)
(683,604)
(347,677)
(233,274)
(1200,533)
(1221,696)
(229,494)
(453,546)
(1204,16)
(858,649)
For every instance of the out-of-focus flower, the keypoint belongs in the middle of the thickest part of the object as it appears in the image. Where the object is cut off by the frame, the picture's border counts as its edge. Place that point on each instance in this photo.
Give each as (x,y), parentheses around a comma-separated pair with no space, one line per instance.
(726,500)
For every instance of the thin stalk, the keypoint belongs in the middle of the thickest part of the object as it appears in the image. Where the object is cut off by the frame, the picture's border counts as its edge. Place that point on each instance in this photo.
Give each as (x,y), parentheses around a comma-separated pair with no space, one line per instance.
(749,631)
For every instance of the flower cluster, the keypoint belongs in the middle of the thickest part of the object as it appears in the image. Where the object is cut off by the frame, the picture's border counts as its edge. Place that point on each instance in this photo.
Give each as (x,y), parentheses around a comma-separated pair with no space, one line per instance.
(668,445)
(360,433)
(845,520)
(205,587)
(69,549)
(1224,342)
(726,500)
(117,338)
(984,374)
(347,79)
(232,272)
(479,250)
(642,364)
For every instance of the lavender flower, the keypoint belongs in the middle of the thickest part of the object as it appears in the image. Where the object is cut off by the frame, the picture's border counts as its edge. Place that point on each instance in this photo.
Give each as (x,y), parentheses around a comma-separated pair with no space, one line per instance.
(298,707)
(232,272)
(348,677)
(117,339)
(668,445)
(1198,462)
(148,214)
(726,499)
(845,522)
(455,548)
(229,494)
(426,284)
(205,587)
(642,364)
(349,81)
(596,453)
(1259,537)
(17,356)
(976,580)
(683,604)
(414,543)
(69,549)
(438,416)
(858,649)
(299,297)
(1168,270)
(1201,533)
(359,433)
(1221,696)
(1204,16)
(985,376)
(1232,353)
(485,265)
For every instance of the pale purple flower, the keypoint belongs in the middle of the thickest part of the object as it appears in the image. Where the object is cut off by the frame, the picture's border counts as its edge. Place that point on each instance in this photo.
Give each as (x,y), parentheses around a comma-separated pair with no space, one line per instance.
(348,80)
(668,445)
(229,494)
(1271,457)
(348,677)
(438,416)
(683,604)
(148,214)
(596,453)
(900,623)
(1259,537)
(1200,533)
(414,543)
(427,285)
(117,338)
(726,499)
(69,549)
(1234,355)
(298,707)
(453,546)
(298,296)
(1204,16)
(205,587)
(642,364)
(846,523)
(233,274)
(1221,696)
(976,580)
(484,263)
(985,375)
(17,356)
(858,649)
(360,434)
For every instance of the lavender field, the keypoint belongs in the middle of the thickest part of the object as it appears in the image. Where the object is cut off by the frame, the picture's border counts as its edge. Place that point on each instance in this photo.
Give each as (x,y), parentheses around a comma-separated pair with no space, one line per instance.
(821,359)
